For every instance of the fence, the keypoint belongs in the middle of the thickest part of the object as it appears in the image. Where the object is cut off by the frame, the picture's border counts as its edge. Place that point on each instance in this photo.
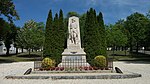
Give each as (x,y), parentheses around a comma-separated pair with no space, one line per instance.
(72,64)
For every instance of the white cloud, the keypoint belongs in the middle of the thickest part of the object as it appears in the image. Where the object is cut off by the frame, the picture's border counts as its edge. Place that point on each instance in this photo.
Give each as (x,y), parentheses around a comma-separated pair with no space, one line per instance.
(91,2)
(124,2)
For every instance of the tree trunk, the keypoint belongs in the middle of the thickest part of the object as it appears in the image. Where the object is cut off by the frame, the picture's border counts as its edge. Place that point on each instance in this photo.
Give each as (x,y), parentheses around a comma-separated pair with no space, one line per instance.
(113,51)
(131,48)
(16,50)
(125,51)
(116,48)
(144,49)
(22,49)
(122,48)
(7,52)
(29,51)
(137,47)
(32,49)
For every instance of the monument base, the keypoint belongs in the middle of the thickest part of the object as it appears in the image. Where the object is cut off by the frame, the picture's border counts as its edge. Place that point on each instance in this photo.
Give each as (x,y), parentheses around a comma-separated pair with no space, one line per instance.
(73,61)
(73,58)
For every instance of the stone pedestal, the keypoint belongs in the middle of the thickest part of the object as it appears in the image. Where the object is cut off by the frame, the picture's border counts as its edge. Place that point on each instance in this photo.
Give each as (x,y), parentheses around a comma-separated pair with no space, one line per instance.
(73,58)
(74,55)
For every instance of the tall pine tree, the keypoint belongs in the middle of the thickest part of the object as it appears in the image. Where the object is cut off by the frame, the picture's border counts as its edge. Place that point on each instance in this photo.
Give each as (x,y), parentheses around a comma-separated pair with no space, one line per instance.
(48,36)
(102,36)
(55,36)
(94,35)
(91,39)
(55,42)
(61,31)
(60,35)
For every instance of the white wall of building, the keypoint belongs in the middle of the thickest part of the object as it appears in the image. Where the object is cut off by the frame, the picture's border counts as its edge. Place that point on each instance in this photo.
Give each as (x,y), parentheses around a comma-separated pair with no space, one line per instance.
(11,50)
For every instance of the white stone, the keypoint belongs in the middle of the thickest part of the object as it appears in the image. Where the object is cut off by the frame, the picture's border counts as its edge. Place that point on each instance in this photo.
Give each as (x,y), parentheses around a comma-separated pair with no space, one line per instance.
(73,55)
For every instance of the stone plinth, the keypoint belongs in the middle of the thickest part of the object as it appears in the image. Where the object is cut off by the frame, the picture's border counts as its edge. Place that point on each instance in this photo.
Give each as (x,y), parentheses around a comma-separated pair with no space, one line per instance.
(73,58)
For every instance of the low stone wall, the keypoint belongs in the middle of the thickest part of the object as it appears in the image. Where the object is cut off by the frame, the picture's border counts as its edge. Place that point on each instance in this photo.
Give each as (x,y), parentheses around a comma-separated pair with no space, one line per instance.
(83,71)
(77,76)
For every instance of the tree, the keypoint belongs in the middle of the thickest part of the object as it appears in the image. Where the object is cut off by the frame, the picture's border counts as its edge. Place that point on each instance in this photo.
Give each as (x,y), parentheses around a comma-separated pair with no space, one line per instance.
(9,36)
(147,39)
(7,8)
(30,36)
(48,36)
(38,36)
(109,37)
(115,36)
(148,14)
(56,37)
(94,37)
(4,26)
(136,25)
(61,35)
(91,35)
(7,33)
(55,41)
(82,24)
(123,40)
(19,43)
(102,36)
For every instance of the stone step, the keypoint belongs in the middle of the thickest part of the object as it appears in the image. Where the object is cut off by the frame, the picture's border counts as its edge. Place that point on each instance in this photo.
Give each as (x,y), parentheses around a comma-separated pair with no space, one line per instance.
(76,76)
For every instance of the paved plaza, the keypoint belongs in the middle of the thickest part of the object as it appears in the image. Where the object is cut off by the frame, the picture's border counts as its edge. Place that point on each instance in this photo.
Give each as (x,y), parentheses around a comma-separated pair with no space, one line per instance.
(20,67)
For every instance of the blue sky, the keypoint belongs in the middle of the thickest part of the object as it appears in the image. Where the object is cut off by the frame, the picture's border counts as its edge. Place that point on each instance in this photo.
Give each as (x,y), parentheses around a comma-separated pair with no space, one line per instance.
(112,10)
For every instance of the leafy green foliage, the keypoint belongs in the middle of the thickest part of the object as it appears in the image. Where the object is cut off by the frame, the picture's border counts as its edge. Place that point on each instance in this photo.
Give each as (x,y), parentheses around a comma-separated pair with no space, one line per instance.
(82,24)
(55,36)
(148,14)
(7,34)
(70,14)
(115,36)
(4,28)
(136,25)
(31,36)
(48,63)
(100,61)
(93,37)
(102,36)
(48,36)
(7,8)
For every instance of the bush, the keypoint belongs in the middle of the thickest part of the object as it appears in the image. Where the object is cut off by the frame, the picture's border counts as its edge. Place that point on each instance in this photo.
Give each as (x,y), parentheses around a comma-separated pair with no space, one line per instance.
(100,61)
(48,63)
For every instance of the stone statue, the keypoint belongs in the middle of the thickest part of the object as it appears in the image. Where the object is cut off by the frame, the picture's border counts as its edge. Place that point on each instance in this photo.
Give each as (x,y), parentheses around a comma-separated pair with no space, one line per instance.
(73,32)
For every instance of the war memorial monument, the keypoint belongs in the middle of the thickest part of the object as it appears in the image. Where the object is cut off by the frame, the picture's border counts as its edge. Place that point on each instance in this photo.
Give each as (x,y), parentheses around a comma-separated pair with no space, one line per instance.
(73,55)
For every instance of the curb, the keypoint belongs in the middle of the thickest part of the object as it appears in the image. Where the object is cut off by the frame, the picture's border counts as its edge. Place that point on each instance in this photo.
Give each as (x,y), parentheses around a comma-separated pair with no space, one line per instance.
(109,76)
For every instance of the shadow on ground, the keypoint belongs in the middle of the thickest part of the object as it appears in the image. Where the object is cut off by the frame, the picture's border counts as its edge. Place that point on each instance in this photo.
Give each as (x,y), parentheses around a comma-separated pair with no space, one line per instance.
(29,56)
(131,57)
(6,61)
(19,58)
(137,62)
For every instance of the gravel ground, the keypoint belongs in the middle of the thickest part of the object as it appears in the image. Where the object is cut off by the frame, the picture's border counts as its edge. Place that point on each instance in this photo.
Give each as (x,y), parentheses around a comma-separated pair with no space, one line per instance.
(20,67)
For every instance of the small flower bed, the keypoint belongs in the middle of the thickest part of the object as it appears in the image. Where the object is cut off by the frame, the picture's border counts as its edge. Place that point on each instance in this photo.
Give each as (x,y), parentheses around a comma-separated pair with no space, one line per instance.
(73,69)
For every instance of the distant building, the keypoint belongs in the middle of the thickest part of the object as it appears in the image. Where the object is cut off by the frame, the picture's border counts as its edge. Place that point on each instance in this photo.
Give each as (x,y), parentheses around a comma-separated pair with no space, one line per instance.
(11,50)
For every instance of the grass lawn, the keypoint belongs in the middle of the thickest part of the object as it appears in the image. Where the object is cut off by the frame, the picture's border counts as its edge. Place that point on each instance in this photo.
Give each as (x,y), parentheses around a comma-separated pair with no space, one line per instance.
(20,57)
(121,56)
(117,56)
